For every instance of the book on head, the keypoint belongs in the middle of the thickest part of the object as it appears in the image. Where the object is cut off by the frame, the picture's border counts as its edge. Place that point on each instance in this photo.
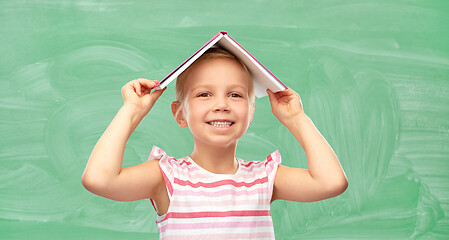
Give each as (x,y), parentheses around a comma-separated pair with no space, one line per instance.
(262,77)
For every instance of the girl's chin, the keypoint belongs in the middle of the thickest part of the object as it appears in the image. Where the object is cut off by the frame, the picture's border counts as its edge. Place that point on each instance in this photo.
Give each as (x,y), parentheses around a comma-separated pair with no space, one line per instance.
(217,142)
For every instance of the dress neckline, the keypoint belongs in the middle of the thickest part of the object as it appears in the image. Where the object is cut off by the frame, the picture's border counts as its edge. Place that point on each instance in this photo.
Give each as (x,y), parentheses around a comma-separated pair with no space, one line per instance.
(217,174)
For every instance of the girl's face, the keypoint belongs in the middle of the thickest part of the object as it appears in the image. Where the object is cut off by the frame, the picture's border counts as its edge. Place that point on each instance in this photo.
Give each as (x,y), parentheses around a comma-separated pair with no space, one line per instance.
(217,108)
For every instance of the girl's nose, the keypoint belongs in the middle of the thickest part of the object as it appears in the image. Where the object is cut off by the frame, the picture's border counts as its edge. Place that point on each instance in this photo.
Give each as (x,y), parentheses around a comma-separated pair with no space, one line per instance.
(221,104)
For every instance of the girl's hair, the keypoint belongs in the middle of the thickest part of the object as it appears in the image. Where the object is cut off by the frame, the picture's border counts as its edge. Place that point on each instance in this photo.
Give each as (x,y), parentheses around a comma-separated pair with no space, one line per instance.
(212,53)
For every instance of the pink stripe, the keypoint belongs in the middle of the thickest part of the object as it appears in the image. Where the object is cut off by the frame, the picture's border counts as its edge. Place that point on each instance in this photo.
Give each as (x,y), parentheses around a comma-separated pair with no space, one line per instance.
(212,225)
(274,163)
(221,236)
(224,203)
(249,164)
(268,165)
(269,159)
(220,183)
(185,162)
(254,213)
(251,168)
(220,193)
(244,173)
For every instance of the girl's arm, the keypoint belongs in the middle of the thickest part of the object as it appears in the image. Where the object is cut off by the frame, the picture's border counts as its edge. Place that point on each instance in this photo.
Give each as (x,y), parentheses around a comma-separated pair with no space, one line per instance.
(104,175)
(324,177)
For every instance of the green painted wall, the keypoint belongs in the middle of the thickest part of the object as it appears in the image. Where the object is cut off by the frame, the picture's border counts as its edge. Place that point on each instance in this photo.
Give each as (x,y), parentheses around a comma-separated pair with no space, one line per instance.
(373,76)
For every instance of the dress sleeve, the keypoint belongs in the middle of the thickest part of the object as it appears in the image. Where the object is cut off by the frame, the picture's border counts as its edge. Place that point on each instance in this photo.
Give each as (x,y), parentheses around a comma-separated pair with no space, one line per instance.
(166,165)
(271,166)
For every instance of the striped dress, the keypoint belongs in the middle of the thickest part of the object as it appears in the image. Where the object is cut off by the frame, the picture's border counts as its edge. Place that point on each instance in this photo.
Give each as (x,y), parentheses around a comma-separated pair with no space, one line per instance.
(204,205)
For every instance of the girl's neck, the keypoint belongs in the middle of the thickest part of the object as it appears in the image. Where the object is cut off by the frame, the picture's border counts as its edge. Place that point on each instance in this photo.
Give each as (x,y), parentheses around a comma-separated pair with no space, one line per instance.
(216,159)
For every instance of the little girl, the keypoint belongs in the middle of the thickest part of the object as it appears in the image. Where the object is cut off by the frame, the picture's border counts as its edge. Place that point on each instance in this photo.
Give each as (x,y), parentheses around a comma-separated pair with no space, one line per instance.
(211,194)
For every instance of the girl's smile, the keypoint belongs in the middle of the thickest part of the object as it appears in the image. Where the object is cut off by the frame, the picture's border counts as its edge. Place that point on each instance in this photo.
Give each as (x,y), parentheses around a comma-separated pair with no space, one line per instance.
(221,123)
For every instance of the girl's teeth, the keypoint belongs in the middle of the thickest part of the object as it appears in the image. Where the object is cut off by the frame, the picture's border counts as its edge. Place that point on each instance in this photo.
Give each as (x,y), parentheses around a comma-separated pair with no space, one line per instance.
(220,124)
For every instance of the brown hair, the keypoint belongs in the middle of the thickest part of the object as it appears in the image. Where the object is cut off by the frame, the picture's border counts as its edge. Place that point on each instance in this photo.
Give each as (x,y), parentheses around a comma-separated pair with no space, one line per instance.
(212,53)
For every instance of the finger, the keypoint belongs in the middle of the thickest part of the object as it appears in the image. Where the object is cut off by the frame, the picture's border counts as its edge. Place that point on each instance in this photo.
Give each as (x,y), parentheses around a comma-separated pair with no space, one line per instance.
(150,84)
(157,93)
(270,96)
(137,87)
(152,97)
(290,92)
(286,95)
(285,92)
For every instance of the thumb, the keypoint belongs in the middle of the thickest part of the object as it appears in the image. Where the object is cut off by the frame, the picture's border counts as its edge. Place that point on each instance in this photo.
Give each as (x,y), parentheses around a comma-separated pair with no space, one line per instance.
(156,94)
(272,97)
(152,97)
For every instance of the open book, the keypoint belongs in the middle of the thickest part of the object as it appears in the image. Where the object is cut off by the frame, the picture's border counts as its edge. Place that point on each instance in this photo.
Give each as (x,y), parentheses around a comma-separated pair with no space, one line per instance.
(262,77)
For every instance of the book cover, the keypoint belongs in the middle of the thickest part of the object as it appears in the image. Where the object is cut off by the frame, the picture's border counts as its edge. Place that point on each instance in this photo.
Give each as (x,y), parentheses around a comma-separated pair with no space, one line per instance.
(262,77)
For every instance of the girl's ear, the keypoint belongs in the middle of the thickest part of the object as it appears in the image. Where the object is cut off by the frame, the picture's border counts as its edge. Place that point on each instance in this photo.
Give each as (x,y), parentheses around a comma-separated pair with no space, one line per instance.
(178,114)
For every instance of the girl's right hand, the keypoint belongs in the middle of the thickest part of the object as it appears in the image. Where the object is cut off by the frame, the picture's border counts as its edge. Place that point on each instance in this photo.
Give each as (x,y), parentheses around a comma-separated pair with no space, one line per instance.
(137,94)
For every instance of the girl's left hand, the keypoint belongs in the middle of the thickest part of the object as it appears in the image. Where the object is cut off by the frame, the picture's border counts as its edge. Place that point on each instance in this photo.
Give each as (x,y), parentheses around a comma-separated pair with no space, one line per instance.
(285,105)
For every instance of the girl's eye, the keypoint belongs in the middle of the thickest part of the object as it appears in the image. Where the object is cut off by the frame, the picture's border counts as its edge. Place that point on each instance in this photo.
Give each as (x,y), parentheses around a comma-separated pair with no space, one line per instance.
(235,95)
(204,95)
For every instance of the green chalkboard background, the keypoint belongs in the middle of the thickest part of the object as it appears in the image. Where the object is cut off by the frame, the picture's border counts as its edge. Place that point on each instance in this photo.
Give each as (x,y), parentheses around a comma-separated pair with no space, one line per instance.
(373,76)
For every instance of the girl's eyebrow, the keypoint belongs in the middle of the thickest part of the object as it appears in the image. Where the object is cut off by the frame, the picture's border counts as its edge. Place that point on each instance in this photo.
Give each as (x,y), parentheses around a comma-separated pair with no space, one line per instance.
(202,86)
(237,86)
